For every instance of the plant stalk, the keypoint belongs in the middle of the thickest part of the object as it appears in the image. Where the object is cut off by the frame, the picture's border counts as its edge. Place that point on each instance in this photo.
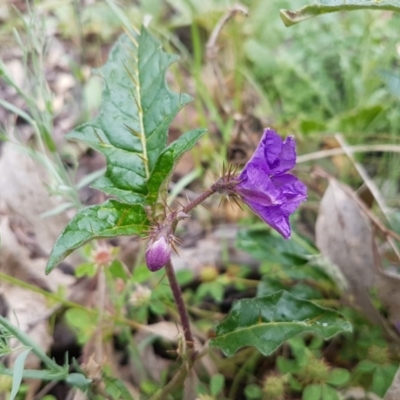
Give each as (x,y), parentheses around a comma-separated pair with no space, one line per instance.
(177,293)
(189,207)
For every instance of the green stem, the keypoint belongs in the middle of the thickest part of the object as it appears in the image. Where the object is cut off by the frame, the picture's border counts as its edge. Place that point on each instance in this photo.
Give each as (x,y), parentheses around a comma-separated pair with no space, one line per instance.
(25,339)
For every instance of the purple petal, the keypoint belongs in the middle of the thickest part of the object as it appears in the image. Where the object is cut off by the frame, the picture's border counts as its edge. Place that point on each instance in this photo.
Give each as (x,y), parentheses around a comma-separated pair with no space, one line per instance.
(274,216)
(272,148)
(273,155)
(289,184)
(280,155)
(256,186)
(287,157)
(292,189)
(258,158)
(265,187)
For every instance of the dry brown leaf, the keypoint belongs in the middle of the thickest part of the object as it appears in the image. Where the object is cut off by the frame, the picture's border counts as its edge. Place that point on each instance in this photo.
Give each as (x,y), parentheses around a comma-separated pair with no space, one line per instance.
(22,189)
(24,233)
(359,393)
(393,392)
(344,235)
(26,309)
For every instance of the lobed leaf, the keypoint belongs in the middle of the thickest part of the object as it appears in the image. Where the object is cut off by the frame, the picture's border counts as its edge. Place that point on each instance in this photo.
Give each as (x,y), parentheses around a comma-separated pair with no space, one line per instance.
(106,220)
(137,109)
(290,18)
(267,322)
(167,161)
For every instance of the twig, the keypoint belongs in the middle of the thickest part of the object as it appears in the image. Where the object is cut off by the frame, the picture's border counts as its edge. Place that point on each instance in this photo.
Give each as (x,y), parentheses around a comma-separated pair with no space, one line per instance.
(350,149)
(45,390)
(364,175)
(212,50)
(211,44)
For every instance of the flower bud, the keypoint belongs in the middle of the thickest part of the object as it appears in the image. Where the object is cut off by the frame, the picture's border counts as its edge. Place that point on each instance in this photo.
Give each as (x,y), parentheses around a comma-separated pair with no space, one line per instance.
(158,253)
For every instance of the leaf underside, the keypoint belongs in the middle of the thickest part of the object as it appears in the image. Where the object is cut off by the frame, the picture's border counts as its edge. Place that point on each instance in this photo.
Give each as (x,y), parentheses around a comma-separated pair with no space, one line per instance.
(106,220)
(267,322)
(290,18)
(137,109)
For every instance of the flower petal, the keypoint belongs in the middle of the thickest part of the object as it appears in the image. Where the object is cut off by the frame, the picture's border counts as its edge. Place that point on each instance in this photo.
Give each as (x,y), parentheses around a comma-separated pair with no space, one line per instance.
(292,189)
(265,186)
(273,155)
(287,158)
(280,155)
(274,216)
(256,186)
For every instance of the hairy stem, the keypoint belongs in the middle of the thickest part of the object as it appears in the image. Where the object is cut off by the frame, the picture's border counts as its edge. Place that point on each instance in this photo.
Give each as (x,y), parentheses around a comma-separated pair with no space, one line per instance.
(194,203)
(177,293)
(180,376)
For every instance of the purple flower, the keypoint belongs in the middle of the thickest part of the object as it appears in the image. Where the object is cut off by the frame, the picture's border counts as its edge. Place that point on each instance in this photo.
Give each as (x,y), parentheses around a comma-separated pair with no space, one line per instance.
(265,186)
(158,253)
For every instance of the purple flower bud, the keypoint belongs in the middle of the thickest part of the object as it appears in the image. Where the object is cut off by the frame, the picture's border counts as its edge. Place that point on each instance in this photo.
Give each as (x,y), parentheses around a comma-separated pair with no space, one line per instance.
(158,253)
(265,186)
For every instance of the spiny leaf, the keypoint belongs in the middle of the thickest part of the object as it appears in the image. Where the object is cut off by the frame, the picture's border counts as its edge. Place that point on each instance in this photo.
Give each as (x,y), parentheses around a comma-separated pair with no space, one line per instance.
(167,161)
(290,18)
(106,220)
(137,109)
(267,322)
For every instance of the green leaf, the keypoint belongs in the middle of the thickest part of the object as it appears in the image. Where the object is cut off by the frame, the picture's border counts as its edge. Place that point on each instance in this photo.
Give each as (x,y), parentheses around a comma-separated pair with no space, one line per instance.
(86,269)
(167,161)
(137,109)
(253,392)
(338,377)
(217,383)
(312,392)
(82,322)
(366,366)
(106,220)
(290,18)
(392,81)
(18,372)
(267,322)
(329,393)
(264,244)
(78,380)
(116,388)
(117,270)
(41,375)
(287,366)
(214,289)
(382,379)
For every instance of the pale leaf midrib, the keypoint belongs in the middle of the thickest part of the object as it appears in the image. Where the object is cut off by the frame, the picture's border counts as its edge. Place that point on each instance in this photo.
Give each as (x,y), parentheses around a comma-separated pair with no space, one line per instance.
(140,114)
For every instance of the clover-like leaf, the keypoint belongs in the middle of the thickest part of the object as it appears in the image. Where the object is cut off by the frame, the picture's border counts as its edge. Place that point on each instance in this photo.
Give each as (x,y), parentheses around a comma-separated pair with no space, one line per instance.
(167,161)
(267,322)
(328,6)
(137,109)
(106,220)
